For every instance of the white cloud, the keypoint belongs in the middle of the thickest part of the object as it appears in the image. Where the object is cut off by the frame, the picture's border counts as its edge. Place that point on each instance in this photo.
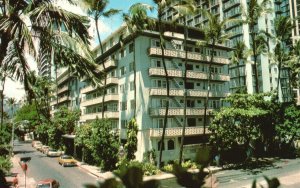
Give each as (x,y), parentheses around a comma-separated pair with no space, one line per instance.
(104,30)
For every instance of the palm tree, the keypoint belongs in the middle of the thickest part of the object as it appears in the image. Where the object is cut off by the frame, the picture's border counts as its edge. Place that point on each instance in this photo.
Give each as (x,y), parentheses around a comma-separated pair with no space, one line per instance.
(184,8)
(294,65)
(3,78)
(11,102)
(255,10)
(97,9)
(283,29)
(137,21)
(214,34)
(240,54)
(28,21)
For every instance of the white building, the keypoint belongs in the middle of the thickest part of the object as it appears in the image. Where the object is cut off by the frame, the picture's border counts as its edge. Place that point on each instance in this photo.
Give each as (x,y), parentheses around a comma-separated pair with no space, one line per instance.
(151,89)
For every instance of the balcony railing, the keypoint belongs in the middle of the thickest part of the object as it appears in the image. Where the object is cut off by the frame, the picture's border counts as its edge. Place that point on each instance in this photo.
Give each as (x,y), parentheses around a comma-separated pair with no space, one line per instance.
(109,97)
(63,89)
(110,63)
(92,116)
(153,71)
(64,99)
(173,111)
(190,92)
(177,131)
(190,55)
(90,88)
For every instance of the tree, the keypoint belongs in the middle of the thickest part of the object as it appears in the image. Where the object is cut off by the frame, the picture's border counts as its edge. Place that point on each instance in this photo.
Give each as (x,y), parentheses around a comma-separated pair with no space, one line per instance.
(97,9)
(283,30)
(131,143)
(255,9)
(214,34)
(24,22)
(28,112)
(11,102)
(240,56)
(83,139)
(245,121)
(137,21)
(289,129)
(184,8)
(105,144)
(294,65)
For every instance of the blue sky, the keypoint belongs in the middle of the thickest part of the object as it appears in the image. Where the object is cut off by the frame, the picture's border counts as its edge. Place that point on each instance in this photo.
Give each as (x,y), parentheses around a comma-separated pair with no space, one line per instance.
(114,22)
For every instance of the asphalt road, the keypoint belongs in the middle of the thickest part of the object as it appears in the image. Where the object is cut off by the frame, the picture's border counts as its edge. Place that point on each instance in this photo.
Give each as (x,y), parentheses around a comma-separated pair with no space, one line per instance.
(42,167)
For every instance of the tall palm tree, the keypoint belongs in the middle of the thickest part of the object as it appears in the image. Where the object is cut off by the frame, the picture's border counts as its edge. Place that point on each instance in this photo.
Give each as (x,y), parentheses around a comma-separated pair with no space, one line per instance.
(26,21)
(283,29)
(184,8)
(214,34)
(255,10)
(161,5)
(11,102)
(137,20)
(97,9)
(3,78)
(240,55)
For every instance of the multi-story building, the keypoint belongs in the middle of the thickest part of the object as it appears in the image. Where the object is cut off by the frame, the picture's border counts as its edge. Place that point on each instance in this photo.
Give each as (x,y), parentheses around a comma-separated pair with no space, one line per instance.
(233,9)
(66,92)
(151,89)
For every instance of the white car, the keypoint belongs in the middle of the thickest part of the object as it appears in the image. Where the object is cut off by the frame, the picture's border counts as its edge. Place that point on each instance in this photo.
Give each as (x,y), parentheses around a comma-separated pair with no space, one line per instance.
(53,153)
(38,145)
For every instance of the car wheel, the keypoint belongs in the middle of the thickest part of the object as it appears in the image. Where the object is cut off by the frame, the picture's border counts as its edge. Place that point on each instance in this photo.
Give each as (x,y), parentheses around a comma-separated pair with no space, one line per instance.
(63,164)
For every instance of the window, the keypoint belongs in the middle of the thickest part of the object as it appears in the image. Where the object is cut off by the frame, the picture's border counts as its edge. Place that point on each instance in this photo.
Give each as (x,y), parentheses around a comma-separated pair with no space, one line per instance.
(122,71)
(131,47)
(158,63)
(131,67)
(161,84)
(171,145)
(122,53)
(158,145)
(131,84)
(122,88)
(189,85)
(191,122)
(123,124)
(160,123)
(163,102)
(132,104)
(190,103)
(123,106)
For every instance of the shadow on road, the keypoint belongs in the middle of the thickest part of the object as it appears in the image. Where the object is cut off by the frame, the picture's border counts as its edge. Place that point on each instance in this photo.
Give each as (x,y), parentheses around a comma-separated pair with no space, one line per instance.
(255,166)
(22,151)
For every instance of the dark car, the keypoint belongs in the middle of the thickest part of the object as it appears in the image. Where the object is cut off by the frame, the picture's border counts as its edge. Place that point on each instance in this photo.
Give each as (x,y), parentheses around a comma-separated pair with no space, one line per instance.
(11,179)
(48,183)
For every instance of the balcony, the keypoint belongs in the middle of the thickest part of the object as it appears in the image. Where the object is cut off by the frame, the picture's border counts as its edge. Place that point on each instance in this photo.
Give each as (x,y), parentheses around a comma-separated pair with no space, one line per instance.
(92,116)
(110,63)
(161,72)
(109,97)
(231,4)
(190,55)
(190,92)
(63,89)
(64,99)
(163,92)
(177,131)
(90,88)
(190,74)
(173,111)
(63,79)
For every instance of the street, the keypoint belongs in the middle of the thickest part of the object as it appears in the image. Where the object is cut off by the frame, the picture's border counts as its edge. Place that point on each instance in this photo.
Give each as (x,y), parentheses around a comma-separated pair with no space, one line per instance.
(42,167)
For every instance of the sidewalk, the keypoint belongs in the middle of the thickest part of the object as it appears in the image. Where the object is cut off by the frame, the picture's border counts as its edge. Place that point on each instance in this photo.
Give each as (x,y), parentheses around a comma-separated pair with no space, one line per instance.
(30,182)
(96,171)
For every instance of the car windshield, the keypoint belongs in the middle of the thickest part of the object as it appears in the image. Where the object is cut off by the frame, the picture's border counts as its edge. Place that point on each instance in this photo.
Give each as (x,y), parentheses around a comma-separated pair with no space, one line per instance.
(51,149)
(44,185)
(66,157)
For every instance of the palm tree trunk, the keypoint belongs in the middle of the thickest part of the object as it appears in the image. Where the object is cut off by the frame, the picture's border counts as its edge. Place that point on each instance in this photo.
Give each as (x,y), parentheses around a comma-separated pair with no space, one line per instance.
(105,75)
(168,88)
(134,79)
(208,85)
(239,76)
(2,102)
(253,36)
(184,94)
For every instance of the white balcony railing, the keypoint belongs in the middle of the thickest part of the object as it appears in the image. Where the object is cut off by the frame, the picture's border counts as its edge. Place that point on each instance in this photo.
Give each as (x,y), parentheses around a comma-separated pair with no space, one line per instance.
(92,116)
(190,55)
(178,111)
(63,89)
(90,88)
(110,63)
(109,97)
(177,131)
(190,92)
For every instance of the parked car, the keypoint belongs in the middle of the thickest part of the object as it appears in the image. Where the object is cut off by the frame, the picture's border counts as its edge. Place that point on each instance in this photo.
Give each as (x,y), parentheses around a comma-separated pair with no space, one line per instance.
(53,153)
(43,148)
(66,160)
(48,183)
(38,145)
(34,142)
(11,180)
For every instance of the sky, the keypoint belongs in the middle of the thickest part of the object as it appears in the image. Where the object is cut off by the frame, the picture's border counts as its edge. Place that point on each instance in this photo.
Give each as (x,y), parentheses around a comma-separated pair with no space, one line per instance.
(106,27)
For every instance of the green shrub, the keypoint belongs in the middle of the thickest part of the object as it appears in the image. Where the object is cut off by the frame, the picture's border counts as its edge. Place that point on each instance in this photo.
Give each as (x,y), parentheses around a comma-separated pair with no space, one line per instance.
(189,164)
(148,168)
(5,164)
(168,168)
